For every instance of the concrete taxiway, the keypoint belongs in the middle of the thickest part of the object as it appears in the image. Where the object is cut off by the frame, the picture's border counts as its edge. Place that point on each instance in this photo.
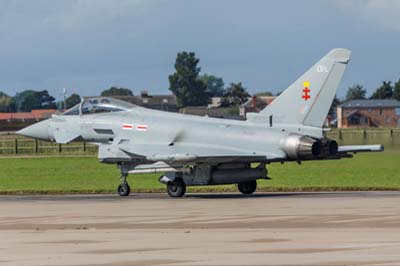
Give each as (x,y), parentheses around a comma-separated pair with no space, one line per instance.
(349,228)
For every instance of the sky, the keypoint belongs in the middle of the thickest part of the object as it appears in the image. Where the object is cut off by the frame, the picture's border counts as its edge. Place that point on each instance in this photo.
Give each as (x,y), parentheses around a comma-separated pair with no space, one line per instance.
(88,46)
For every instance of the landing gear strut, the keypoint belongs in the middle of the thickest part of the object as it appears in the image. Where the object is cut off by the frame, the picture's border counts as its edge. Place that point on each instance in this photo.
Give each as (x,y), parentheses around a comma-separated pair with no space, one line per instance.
(123,188)
(248,187)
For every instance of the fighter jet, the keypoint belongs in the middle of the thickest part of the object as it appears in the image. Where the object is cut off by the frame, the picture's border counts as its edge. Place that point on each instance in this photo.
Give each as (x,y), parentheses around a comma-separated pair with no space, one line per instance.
(192,150)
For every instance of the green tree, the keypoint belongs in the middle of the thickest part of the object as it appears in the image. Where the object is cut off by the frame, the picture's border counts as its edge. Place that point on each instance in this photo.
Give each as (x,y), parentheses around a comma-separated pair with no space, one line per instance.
(114,91)
(396,90)
(356,92)
(385,91)
(73,100)
(235,94)
(6,103)
(215,85)
(20,97)
(185,83)
(38,100)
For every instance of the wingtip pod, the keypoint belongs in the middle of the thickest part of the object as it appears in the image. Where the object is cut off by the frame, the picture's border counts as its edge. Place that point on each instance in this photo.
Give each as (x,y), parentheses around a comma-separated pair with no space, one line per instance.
(340,55)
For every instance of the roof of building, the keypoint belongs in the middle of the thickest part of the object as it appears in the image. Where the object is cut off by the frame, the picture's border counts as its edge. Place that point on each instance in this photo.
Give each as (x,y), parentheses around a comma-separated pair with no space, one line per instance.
(33,115)
(168,99)
(221,112)
(258,101)
(371,103)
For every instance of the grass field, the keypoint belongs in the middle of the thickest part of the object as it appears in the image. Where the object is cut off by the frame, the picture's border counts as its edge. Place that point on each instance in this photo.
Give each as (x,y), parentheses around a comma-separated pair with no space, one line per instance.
(373,171)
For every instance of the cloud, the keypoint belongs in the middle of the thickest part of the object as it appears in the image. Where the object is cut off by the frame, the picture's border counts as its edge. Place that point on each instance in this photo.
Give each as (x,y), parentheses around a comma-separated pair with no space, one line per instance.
(19,18)
(81,14)
(379,14)
(89,45)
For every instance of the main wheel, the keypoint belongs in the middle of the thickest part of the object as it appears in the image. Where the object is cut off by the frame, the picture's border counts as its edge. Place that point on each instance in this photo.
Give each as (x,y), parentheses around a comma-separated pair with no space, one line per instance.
(176,188)
(248,187)
(124,189)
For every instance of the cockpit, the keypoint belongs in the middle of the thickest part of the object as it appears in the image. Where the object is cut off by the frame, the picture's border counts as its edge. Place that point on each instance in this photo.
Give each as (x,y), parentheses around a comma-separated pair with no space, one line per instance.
(99,105)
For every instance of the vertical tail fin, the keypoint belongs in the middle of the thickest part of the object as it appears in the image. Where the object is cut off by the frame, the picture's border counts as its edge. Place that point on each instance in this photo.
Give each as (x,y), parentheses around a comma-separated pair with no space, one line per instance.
(308,99)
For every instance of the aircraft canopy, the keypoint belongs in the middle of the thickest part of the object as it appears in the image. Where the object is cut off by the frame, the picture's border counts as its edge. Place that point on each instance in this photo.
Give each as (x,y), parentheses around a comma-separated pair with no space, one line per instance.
(99,105)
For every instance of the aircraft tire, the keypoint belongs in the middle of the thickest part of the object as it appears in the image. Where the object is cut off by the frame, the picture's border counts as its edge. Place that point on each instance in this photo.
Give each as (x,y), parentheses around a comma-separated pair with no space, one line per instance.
(124,189)
(176,189)
(248,187)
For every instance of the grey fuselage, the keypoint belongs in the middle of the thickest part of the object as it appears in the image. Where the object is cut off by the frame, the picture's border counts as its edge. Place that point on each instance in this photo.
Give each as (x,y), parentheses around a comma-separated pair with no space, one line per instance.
(165,128)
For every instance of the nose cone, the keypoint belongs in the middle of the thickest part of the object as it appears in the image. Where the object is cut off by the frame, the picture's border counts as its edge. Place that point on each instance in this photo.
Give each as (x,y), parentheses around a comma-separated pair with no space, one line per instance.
(38,131)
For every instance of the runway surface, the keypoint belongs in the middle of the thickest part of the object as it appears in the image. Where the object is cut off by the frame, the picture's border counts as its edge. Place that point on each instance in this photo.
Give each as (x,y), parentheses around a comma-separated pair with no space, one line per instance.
(350,228)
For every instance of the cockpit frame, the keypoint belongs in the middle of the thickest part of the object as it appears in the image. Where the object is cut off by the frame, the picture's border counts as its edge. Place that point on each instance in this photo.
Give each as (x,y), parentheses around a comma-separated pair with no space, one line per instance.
(96,105)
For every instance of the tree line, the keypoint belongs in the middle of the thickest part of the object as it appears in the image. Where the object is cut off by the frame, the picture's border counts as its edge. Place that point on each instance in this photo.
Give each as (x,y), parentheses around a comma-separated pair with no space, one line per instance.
(26,100)
(385,91)
(190,87)
(29,100)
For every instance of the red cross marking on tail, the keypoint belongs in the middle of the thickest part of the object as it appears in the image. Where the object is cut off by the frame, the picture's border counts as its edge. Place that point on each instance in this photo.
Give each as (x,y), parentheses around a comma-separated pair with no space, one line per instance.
(306,94)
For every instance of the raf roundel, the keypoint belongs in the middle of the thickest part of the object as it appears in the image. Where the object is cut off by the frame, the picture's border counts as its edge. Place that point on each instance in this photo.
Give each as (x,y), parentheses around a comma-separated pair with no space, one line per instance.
(127,126)
(141,127)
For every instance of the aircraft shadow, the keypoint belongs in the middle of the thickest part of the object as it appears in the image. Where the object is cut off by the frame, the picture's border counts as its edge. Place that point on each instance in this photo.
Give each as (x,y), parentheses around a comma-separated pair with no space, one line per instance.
(222,195)
(257,195)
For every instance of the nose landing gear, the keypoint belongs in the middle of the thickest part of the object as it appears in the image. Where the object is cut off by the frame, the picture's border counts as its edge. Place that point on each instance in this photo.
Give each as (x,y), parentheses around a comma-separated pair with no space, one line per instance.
(123,188)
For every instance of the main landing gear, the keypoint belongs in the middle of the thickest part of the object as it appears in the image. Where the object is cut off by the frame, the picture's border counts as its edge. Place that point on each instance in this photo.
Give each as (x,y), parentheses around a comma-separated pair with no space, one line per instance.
(123,188)
(248,187)
(176,188)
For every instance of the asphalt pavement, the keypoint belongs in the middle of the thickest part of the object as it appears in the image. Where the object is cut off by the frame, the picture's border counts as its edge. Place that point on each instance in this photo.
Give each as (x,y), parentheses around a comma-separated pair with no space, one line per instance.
(339,228)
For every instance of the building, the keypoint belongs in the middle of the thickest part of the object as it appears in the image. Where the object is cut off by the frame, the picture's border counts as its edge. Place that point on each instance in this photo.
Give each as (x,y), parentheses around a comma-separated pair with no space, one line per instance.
(16,121)
(166,102)
(230,112)
(215,109)
(369,113)
(255,104)
(34,115)
(215,102)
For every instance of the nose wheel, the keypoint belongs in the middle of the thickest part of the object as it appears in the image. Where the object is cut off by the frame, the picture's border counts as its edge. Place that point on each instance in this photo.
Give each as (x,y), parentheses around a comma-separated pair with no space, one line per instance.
(123,188)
